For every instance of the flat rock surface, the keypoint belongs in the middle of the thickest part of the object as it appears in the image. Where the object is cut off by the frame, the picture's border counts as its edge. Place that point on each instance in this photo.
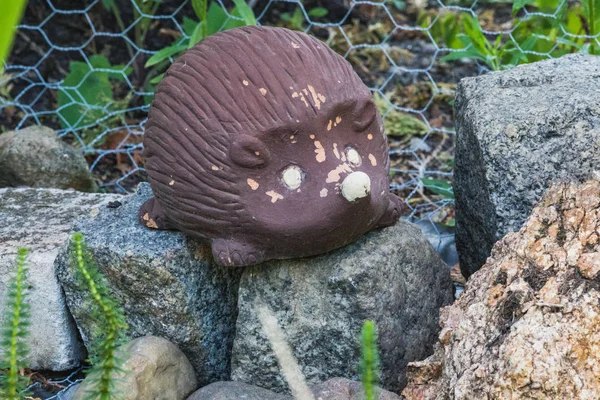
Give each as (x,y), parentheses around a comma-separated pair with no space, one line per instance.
(167,285)
(392,276)
(528,324)
(41,220)
(518,131)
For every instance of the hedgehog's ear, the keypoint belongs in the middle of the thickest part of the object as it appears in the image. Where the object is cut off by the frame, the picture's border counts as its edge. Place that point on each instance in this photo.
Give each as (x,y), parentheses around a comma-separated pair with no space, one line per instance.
(364,114)
(249,152)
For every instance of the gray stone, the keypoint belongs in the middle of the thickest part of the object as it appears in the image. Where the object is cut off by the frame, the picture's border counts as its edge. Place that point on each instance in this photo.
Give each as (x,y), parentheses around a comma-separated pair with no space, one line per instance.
(36,157)
(517,132)
(235,390)
(392,276)
(41,220)
(166,283)
(154,368)
(345,389)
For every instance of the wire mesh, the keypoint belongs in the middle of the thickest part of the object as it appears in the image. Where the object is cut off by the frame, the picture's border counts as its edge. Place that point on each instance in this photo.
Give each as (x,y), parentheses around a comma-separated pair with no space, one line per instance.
(397,55)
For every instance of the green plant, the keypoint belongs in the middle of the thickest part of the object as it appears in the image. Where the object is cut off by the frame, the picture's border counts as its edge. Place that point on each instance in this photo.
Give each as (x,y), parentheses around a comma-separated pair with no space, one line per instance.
(369,364)
(439,187)
(497,54)
(9,19)
(86,98)
(211,20)
(14,332)
(444,29)
(296,19)
(110,321)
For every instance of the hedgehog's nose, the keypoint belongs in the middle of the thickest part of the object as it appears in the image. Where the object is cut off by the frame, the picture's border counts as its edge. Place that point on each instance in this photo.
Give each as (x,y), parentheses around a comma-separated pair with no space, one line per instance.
(356,186)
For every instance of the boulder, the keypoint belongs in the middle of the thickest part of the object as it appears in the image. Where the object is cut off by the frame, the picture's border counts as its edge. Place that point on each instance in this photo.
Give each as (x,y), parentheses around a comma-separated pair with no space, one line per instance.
(528,324)
(345,389)
(41,220)
(235,390)
(154,368)
(166,283)
(333,389)
(36,157)
(518,131)
(391,276)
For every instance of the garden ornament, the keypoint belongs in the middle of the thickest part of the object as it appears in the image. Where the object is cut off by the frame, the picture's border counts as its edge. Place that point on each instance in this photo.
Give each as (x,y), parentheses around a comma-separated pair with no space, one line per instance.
(266,143)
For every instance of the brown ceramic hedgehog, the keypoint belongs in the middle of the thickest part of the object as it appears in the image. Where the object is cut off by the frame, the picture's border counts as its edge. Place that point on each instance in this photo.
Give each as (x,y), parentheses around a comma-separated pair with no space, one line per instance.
(266,143)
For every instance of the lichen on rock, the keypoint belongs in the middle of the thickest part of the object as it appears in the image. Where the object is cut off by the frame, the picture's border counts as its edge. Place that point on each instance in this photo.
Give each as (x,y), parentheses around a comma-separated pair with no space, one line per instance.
(528,323)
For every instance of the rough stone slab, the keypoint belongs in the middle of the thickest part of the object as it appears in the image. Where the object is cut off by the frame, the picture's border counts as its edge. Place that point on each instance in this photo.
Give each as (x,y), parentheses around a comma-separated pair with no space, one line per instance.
(517,132)
(392,276)
(166,283)
(41,220)
(528,323)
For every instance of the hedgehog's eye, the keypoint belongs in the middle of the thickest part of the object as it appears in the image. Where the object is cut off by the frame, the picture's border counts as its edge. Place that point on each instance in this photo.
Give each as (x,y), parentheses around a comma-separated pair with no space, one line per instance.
(292,177)
(353,157)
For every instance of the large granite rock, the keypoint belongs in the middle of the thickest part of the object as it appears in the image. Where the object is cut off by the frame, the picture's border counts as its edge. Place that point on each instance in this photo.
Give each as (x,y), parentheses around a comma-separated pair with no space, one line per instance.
(517,132)
(154,368)
(41,220)
(36,157)
(392,276)
(235,390)
(166,283)
(528,324)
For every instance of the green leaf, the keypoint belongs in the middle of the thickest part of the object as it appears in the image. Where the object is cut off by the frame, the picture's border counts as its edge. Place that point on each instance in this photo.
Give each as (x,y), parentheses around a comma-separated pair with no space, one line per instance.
(518,4)
(215,18)
(189,25)
(245,12)
(199,7)
(439,187)
(457,55)
(9,19)
(196,36)
(165,53)
(156,80)
(318,12)
(88,87)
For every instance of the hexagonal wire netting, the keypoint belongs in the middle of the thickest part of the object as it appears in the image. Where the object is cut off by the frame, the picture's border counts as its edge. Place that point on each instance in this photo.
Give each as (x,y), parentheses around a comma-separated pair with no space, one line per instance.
(79,68)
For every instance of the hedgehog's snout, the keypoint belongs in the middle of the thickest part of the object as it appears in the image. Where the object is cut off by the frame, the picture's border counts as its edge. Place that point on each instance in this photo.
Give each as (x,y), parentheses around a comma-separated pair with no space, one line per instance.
(356,186)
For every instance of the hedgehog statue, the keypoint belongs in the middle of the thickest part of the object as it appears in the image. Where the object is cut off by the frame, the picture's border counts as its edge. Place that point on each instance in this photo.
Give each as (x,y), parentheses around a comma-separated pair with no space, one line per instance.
(266,143)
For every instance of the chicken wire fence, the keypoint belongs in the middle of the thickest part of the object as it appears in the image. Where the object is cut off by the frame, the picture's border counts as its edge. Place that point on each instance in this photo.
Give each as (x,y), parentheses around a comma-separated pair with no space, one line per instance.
(79,67)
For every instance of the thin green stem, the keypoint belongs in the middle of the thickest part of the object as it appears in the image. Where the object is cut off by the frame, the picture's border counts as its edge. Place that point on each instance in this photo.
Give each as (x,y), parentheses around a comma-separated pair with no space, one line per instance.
(16,327)
(592,24)
(109,347)
(117,15)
